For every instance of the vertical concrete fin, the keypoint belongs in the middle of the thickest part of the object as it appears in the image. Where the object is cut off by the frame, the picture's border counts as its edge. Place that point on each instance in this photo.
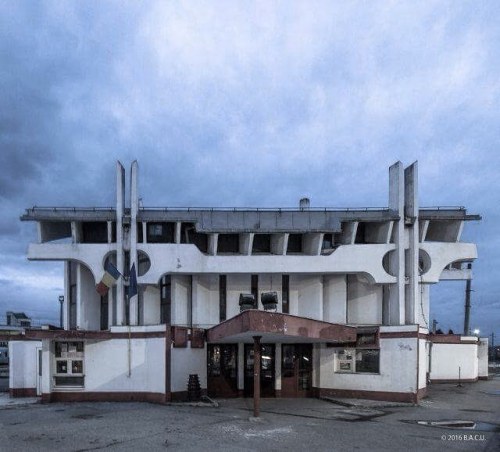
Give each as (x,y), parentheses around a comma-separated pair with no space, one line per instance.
(411,190)
(134,207)
(120,257)
(396,203)
(413,297)
(120,189)
(396,187)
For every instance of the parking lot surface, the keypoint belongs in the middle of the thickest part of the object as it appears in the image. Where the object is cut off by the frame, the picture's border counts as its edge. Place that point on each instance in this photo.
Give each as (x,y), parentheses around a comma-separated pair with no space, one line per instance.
(285,424)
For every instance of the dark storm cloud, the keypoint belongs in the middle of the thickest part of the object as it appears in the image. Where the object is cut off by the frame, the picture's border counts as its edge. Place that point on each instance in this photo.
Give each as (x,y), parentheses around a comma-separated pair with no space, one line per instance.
(248,104)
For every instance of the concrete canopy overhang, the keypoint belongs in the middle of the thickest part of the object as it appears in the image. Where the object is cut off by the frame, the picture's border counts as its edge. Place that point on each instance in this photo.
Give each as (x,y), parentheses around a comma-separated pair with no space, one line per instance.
(276,327)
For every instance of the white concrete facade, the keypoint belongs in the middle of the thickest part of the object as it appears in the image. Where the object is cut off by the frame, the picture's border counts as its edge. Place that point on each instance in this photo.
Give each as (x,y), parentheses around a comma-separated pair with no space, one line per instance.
(367,268)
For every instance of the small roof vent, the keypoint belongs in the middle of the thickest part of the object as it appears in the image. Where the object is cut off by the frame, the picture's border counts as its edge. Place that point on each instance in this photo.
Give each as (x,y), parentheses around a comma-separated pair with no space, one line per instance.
(305,203)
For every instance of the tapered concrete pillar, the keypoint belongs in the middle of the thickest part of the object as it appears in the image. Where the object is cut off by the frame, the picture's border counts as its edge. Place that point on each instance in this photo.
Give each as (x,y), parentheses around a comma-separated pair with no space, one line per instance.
(256,376)
(134,207)
(412,296)
(397,262)
(120,257)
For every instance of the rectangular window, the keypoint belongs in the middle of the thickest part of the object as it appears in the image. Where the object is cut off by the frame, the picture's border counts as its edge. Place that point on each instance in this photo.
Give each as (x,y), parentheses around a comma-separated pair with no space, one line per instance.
(294,244)
(94,232)
(160,232)
(261,244)
(189,235)
(285,294)
(255,290)
(222,297)
(228,243)
(358,361)
(140,238)
(69,367)
(328,244)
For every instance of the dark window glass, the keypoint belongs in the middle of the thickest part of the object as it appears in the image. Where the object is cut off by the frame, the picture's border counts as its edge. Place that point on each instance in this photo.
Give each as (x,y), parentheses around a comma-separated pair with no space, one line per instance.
(228,243)
(62,367)
(189,235)
(69,381)
(140,237)
(261,243)
(165,300)
(222,297)
(327,242)
(255,290)
(113,232)
(294,243)
(161,232)
(360,233)
(368,361)
(94,232)
(285,294)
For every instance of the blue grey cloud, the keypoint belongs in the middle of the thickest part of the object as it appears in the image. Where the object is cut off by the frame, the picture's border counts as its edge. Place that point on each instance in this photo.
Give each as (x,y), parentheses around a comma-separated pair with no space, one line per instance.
(261,103)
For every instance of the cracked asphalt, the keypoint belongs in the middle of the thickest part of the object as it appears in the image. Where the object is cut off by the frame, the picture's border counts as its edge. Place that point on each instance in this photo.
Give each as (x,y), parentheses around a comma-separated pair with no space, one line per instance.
(285,424)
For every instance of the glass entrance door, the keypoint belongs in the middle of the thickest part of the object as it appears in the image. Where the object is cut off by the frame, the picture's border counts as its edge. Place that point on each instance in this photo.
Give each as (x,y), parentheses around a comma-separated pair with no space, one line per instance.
(267,373)
(296,370)
(222,372)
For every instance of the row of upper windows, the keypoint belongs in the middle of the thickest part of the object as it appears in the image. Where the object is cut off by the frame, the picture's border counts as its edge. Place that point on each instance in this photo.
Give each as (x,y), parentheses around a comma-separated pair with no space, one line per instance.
(185,233)
(165,232)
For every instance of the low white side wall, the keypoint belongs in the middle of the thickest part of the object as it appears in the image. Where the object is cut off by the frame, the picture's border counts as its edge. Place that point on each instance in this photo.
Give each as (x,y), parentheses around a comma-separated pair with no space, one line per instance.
(423,363)
(446,359)
(398,367)
(23,364)
(107,369)
(187,361)
(482,356)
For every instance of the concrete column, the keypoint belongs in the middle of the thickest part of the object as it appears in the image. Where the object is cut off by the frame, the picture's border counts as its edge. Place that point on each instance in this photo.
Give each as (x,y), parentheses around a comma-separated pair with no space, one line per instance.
(311,243)
(285,243)
(67,288)
(278,244)
(349,233)
(277,367)
(178,228)
(397,263)
(212,244)
(423,232)
(241,366)
(110,307)
(79,302)
(246,242)
(256,376)
(110,231)
(120,255)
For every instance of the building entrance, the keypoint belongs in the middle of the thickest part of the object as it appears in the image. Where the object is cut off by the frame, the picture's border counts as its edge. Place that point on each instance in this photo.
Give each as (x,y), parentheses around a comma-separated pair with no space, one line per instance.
(222,371)
(296,370)
(267,366)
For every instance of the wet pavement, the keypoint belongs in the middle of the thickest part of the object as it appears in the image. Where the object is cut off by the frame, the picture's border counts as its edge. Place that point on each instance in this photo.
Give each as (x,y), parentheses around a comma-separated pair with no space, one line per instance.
(285,424)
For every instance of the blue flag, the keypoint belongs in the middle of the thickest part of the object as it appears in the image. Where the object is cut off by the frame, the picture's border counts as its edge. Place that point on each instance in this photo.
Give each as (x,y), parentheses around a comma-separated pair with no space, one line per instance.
(132,282)
(112,270)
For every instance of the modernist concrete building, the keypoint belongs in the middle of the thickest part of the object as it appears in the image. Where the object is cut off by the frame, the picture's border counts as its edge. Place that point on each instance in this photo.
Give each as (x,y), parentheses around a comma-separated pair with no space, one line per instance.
(313,301)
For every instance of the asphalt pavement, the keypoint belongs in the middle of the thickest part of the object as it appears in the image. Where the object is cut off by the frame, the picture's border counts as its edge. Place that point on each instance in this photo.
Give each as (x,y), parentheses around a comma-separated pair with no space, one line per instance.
(284,425)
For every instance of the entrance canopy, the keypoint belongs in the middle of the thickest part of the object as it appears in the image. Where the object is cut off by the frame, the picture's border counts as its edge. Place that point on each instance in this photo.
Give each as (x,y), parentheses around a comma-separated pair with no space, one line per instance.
(275,327)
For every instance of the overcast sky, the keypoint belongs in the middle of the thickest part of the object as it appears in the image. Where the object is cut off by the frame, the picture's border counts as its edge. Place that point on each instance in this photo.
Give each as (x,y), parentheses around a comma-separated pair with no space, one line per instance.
(249,104)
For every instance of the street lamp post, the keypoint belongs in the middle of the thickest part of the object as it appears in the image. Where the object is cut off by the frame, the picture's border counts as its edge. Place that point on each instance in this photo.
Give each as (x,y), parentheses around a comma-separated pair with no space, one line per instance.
(61,301)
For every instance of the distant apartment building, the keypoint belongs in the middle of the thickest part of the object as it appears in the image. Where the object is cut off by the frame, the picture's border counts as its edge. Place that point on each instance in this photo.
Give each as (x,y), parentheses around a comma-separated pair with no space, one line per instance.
(19,319)
(331,302)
